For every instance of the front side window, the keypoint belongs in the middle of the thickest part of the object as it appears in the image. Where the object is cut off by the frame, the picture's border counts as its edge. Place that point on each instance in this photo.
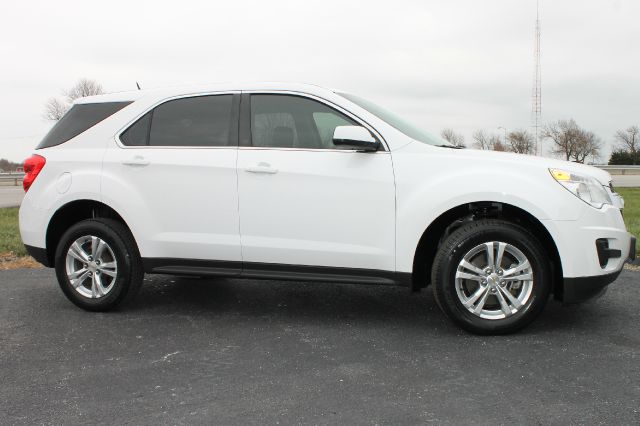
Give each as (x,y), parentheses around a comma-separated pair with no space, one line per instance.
(194,121)
(286,121)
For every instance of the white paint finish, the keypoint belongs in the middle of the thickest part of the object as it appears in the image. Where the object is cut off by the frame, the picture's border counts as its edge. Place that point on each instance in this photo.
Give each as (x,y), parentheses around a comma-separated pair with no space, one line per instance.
(575,241)
(178,202)
(326,208)
(81,156)
(353,133)
(64,182)
(307,207)
(431,181)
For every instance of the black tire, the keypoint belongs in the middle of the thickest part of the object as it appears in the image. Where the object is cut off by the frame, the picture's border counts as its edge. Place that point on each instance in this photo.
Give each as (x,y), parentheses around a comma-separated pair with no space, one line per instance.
(129,274)
(462,241)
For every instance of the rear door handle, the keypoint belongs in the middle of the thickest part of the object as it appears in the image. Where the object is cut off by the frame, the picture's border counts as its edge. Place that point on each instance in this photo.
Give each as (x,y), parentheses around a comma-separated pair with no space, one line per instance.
(262,168)
(136,161)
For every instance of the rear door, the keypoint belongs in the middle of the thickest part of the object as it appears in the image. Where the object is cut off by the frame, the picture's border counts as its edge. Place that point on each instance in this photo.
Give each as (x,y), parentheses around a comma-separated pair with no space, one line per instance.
(303,201)
(173,174)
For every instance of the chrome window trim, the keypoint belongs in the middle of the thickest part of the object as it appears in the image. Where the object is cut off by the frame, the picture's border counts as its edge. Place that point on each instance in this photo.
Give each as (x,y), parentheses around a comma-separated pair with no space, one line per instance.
(270,148)
(330,104)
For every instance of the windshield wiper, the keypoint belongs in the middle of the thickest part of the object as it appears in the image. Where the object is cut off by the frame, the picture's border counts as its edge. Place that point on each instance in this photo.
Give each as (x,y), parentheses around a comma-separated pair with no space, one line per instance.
(450,146)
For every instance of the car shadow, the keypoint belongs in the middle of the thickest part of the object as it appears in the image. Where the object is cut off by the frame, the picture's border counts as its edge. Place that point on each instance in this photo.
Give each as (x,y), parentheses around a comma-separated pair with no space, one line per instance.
(314,302)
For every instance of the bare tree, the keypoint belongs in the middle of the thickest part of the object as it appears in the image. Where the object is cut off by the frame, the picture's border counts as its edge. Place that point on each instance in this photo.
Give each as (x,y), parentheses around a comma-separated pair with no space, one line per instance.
(629,141)
(452,137)
(500,146)
(521,142)
(571,141)
(55,108)
(83,88)
(588,146)
(481,140)
(565,135)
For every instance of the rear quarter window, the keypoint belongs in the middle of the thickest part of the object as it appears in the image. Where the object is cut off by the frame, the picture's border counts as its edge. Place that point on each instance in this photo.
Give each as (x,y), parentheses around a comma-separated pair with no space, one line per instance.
(79,119)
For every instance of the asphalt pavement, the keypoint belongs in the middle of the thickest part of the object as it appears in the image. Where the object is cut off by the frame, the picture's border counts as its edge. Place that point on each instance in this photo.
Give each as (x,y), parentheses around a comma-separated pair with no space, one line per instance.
(625,181)
(228,351)
(11,196)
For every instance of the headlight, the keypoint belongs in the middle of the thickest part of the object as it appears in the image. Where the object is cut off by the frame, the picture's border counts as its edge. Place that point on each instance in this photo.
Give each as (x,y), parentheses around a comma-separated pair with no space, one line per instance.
(585,187)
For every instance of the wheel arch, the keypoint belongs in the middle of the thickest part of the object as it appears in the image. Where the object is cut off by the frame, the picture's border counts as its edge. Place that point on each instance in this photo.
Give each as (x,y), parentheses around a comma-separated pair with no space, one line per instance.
(71,213)
(451,219)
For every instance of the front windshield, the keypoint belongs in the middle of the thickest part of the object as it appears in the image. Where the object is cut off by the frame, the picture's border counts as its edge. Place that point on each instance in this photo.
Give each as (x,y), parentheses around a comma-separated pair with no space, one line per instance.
(396,121)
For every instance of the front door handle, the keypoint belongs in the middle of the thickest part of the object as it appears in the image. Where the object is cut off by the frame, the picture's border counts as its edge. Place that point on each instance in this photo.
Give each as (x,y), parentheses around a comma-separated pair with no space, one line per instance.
(262,168)
(138,160)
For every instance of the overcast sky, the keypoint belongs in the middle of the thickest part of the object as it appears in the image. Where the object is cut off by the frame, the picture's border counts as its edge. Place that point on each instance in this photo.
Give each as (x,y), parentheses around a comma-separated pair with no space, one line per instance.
(464,64)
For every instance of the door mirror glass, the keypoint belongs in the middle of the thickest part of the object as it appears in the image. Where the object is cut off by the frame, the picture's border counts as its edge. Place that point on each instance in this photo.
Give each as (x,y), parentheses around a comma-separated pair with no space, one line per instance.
(355,137)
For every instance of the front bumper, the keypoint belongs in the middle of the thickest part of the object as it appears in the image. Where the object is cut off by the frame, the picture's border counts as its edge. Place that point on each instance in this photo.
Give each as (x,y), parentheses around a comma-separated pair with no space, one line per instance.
(576,242)
(578,290)
(581,289)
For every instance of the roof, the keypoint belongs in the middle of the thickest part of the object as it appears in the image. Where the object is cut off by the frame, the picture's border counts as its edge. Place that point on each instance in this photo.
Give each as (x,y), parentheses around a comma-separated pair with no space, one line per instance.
(134,95)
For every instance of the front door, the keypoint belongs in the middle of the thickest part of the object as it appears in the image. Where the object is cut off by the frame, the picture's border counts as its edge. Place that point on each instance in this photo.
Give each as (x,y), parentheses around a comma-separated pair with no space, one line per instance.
(302,200)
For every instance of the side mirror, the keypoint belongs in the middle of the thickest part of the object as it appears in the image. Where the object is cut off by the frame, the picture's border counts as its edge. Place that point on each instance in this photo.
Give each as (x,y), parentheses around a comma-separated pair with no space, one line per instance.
(355,137)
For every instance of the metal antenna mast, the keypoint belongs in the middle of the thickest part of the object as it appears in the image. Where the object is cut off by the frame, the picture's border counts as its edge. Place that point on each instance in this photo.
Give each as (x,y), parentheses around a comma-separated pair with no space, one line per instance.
(536,105)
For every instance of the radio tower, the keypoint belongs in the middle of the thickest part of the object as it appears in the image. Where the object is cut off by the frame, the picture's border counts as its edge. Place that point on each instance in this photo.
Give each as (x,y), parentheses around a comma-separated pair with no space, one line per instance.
(536,104)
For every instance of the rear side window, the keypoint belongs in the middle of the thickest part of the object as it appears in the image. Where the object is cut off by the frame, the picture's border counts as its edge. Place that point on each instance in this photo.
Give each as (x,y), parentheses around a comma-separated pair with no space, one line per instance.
(195,121)
(78,119)
(138,133)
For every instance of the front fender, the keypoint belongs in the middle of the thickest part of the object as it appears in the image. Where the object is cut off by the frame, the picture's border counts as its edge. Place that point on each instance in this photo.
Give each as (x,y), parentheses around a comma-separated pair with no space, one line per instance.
(426,191)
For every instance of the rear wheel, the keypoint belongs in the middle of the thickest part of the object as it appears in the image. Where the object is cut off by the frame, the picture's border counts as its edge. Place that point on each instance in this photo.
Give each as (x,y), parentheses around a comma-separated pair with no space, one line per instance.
(491,277)
(98,265)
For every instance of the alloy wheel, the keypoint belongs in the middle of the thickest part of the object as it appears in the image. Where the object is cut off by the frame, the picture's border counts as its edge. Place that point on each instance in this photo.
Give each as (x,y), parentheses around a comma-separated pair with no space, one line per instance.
(494,280)
(91,267)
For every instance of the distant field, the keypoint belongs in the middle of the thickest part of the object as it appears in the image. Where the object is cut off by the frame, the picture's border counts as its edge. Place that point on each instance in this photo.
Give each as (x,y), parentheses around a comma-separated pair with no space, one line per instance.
(11,244)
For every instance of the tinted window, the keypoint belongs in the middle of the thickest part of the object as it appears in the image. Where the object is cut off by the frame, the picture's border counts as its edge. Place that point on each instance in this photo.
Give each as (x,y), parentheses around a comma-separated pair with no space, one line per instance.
(198,121)
(326,123)
(78,119)
(283,121)
(138,133)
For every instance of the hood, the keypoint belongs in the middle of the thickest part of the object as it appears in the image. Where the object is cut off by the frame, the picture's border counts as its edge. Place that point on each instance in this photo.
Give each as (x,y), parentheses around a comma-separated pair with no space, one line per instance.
(602,176)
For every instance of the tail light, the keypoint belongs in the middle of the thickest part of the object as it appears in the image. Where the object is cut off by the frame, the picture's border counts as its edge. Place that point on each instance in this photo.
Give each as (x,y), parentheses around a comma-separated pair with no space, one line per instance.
(32,167)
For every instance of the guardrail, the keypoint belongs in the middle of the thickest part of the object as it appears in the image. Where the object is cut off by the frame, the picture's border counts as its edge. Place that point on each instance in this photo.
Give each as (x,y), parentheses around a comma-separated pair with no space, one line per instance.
(621,170)
(9,177)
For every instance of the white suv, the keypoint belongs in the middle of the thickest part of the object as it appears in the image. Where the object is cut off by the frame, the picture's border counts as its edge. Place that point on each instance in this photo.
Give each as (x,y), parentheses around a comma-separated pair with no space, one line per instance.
(297,182)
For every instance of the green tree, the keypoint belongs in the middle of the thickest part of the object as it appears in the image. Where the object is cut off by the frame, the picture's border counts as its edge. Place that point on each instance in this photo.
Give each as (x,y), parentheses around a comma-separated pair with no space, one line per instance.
(623,158)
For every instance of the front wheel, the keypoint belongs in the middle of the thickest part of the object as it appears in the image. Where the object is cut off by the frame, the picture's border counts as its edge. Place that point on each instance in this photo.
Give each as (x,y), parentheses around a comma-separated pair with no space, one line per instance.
(491,277)
(98,265)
